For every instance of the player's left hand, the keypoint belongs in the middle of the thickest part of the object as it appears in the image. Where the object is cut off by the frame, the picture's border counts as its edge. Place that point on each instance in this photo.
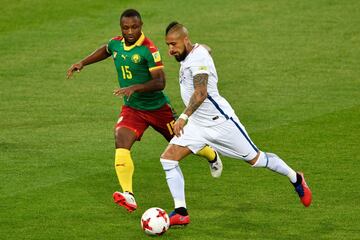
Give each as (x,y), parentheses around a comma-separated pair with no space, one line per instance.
(179,127)
(128,91)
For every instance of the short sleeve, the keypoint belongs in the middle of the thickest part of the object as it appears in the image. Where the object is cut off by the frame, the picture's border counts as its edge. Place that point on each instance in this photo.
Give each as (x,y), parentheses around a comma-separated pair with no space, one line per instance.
(200,61)
(153,58)
(199,66)
(109,46)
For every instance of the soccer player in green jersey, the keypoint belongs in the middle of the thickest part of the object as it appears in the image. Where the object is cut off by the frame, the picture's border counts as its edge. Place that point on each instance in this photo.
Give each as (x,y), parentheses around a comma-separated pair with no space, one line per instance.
(141,79)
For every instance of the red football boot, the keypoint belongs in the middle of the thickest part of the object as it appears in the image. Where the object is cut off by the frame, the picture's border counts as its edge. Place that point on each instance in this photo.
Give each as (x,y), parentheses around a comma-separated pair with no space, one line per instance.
(177,219)
(304,191)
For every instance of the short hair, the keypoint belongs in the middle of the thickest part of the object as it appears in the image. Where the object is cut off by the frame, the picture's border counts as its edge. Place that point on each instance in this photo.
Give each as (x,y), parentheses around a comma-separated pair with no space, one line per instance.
(130,13)
(171,26)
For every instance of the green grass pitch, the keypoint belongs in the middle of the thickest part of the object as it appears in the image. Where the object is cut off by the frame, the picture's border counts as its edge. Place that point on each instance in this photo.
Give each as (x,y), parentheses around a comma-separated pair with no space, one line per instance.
(290,69)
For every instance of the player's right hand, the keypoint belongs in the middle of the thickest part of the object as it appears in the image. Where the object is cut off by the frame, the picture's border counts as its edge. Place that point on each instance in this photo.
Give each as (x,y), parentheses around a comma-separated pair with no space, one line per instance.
(75,67)
(179,127)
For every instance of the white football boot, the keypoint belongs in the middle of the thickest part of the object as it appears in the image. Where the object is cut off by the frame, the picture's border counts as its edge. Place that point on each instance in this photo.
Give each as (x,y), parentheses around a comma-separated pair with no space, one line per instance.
(125,200)
(216,167)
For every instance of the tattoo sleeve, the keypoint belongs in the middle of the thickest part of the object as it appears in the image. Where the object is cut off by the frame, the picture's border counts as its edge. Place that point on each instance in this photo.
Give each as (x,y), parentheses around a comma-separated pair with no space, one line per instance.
(200,93)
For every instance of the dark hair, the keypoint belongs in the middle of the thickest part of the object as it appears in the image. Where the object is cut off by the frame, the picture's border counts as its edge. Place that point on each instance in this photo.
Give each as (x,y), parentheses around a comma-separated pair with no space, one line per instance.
(130,13)
(170,26)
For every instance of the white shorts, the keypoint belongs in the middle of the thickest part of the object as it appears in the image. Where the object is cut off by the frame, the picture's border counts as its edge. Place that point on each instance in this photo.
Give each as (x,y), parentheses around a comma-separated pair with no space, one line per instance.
(228,138)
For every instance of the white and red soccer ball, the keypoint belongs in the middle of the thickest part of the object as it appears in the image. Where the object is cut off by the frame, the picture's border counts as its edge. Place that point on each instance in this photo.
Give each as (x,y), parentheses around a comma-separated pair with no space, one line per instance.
(155,221)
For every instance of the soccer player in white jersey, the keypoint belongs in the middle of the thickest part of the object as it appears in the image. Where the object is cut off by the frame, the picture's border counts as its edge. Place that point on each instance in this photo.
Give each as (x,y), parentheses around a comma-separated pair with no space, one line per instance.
(209,119)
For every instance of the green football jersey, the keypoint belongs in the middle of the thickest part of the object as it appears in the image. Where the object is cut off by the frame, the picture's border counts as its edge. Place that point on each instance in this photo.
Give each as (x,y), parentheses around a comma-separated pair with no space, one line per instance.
(133,64)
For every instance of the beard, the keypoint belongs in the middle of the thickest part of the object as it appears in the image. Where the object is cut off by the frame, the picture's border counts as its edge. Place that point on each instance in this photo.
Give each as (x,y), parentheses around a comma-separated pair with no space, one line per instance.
(181,57)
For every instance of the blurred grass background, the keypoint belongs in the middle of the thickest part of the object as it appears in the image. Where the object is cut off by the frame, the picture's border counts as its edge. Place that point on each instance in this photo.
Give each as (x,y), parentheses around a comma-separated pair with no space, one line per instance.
(290,69)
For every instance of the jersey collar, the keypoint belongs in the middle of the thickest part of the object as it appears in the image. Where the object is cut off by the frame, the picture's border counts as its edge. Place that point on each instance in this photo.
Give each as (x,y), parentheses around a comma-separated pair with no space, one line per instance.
(139,42)
(196,45)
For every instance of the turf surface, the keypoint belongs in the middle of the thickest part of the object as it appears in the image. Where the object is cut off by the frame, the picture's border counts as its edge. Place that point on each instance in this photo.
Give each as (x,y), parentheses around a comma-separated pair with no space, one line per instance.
(289,68)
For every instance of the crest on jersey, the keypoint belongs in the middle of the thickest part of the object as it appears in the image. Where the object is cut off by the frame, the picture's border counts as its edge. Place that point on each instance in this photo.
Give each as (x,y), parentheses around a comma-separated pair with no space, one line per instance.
(135,58)
(114,54)
(156,56)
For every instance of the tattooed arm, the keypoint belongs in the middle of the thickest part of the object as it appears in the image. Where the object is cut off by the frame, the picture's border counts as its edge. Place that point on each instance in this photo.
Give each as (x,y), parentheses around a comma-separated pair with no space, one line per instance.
(197,98)
(199,95)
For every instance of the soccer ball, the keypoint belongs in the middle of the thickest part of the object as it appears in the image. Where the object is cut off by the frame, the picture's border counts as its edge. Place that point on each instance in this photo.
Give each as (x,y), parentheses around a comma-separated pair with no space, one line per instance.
(155,221)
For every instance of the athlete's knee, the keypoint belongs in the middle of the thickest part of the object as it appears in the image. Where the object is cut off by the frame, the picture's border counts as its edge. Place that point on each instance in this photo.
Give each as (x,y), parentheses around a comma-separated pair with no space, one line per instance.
(260,160)
(169,153)
(124,138)
(175,152)
(122,142)
(168,164)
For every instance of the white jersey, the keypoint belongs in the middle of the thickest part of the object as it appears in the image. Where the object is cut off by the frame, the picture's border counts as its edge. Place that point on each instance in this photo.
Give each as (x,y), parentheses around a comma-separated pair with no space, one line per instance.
(214,123)
(215,109)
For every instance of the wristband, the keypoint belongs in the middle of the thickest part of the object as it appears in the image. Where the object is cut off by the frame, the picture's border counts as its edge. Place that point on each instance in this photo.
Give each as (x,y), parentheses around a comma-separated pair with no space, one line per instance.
(184,116)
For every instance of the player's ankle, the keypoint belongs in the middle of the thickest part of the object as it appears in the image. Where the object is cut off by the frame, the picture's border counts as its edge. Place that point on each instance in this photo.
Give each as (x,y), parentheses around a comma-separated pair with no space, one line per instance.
(132,194)
(214,160)
(298,180)
(182,211)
